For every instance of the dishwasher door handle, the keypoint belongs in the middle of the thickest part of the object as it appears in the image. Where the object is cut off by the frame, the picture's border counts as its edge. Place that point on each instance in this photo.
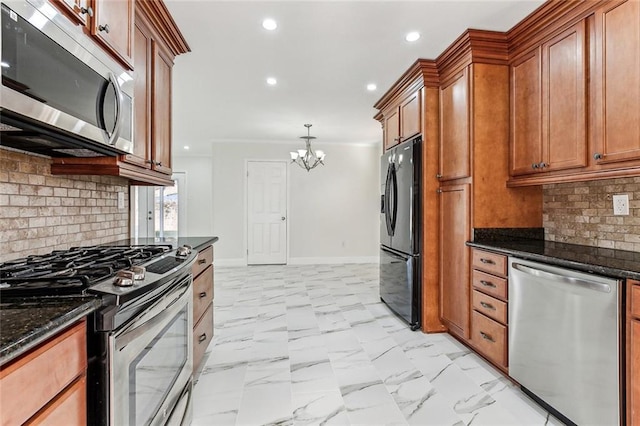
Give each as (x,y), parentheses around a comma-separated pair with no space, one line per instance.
(592,285)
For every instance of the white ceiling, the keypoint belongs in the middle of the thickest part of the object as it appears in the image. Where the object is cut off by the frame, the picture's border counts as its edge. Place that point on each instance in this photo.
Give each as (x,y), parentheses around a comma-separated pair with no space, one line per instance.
(323,54)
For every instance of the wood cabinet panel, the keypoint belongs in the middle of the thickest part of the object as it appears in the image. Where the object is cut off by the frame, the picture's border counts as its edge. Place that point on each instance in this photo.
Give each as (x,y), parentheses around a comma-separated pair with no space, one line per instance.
(526,107)
(617,81)
(202,292)
(41,374)
(141,155)
(392,128)
(492,263)
(454,127)
(202,335)
(490,284)
(69,408)
(454,257)
(410,117)
(161,110)
(634,303)
(490,337)
(204,260)
(489,306)
(112,26)
(79,11)
(564,97)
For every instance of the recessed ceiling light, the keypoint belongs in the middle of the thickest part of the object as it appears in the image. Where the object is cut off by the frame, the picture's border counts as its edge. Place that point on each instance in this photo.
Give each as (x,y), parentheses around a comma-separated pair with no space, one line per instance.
(412,36)
(186,147)
(272,81)
(269,24)
(371,87)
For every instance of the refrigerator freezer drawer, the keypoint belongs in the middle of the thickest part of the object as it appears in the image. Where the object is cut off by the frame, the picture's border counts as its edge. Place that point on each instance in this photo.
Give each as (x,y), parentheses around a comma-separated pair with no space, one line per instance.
(400,285)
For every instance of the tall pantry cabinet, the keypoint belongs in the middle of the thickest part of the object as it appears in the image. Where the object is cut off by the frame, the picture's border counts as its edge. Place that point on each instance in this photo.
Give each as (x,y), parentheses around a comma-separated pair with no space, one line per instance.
(474,165)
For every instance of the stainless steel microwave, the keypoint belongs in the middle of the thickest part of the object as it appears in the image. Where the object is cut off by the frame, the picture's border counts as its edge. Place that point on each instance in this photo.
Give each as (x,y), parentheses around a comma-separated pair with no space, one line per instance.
(61,95)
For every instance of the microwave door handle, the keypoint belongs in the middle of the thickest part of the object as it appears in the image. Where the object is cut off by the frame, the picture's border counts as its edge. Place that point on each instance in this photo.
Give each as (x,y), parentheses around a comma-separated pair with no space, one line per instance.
(113,137)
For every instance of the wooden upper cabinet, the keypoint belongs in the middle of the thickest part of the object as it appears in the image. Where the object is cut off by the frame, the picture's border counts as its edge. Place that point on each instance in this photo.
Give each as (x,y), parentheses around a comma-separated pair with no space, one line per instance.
(549,110)
(161,110)
(617,81)
(526,108)
(391,128)
(454,127)
(79,11)
(141,155)
(564,97)
(410,116)
(112,26)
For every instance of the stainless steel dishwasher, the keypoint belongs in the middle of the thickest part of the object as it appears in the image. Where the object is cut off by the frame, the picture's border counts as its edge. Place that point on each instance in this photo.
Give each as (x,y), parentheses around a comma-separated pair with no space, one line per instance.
(564,340)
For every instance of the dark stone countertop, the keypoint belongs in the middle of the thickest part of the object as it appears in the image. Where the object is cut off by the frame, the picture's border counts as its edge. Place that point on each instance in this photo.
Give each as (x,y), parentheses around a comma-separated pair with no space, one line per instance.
(25,323)
(197,243)
(609,262)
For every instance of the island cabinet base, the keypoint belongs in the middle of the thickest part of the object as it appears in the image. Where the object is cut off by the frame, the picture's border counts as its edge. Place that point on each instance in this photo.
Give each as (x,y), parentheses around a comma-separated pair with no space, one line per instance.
(202,305)
(48,383)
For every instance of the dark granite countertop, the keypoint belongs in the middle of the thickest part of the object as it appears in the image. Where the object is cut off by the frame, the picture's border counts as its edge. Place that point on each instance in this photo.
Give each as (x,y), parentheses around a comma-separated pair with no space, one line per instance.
(197,243)
(25,323)
(602,261)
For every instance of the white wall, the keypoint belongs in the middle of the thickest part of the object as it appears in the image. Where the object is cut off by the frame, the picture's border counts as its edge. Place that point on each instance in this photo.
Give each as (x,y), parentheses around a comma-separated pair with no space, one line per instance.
(333,214)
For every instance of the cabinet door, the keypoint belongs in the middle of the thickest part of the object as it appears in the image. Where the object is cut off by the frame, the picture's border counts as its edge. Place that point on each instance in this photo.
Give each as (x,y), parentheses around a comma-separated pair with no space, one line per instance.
(634,378)
(141,155)
(526,107)
(161,108)
(454,257)
(564,96)
(391,128)
(410,116)
(617,81)
(113,28)
(79,11)
(454,127)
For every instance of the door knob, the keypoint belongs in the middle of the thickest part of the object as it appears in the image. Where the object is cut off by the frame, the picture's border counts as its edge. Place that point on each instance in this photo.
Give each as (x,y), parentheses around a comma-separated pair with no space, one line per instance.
(282,218)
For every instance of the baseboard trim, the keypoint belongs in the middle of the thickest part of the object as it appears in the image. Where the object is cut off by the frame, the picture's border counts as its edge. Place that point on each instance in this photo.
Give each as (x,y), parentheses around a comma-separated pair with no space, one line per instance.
(306,261)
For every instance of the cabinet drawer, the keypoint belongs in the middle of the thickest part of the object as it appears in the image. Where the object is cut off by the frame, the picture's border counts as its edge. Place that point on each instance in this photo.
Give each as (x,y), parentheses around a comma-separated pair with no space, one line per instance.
(202,293)
(491,307)
(490,262)
(69,408)
(41,374)
(202,335)
(635,301)
(489,337)
(490,284)
(205,258)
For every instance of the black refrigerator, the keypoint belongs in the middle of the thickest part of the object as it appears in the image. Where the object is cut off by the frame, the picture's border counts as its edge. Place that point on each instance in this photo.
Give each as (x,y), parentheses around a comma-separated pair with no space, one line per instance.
(400,231)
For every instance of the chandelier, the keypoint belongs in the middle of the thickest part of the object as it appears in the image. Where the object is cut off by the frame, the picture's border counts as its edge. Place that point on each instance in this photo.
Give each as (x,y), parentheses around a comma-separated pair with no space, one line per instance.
(307,158)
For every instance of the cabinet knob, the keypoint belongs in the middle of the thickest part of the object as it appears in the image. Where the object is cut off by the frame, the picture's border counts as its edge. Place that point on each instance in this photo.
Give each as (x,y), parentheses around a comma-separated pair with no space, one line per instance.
(86,11)
(203,294)
(159,163)
(104,28)
(597,156)
(535,166)
(438,176)
(202,337)
(543,165)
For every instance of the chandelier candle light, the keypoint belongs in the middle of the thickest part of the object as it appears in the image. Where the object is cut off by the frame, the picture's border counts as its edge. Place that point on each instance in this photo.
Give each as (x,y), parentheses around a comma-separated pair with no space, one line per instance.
(307,158)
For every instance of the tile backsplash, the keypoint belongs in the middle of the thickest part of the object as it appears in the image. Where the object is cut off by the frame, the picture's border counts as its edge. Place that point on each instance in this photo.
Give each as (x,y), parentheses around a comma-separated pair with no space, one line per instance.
(582,213)
(40,212)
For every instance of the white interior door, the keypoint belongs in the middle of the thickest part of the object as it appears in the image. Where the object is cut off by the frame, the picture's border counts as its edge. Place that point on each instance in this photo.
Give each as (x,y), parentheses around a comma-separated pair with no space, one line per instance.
(266,212)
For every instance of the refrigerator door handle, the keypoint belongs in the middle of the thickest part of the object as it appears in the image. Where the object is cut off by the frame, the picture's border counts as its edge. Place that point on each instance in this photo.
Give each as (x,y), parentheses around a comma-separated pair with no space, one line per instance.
(388,201)
(394,215)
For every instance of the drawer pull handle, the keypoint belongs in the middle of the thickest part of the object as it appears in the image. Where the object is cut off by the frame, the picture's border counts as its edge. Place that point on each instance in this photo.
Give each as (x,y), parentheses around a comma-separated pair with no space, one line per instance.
(487,284)
(487,261)
(487,306)
(202,337)
(485,336)
(202,261)
(203,294)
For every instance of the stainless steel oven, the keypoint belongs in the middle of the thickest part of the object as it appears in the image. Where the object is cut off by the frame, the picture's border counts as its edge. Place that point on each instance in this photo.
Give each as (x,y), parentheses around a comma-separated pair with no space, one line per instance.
(152,360)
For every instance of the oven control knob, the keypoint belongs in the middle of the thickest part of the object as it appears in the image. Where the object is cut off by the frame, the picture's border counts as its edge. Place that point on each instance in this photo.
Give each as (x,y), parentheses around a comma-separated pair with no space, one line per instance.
(124,279)
(138,272)
(183,251)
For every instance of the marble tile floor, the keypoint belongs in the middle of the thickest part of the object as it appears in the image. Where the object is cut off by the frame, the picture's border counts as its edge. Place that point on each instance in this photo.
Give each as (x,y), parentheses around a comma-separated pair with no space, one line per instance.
(314,345)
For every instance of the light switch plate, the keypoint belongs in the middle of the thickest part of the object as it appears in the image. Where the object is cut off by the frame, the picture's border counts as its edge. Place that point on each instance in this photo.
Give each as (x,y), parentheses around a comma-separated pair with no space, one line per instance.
(621,205)
(120,200)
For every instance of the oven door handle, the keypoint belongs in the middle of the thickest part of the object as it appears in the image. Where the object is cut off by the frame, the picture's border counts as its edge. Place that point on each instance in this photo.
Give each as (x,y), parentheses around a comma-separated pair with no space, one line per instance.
(159,313)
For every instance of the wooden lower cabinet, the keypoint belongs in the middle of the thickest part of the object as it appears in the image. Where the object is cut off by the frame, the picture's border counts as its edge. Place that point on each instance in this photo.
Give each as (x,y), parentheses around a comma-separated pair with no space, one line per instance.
(489,337)
(633,353)
(52,376)
(202,272)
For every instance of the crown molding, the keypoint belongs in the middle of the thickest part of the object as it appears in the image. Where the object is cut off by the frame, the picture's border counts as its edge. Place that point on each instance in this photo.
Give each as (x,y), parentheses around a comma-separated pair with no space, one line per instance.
(160,18)
(422,73)
(475,46)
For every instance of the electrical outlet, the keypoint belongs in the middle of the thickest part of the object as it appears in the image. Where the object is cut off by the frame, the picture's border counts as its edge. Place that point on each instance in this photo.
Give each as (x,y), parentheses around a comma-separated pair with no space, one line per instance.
(621,205)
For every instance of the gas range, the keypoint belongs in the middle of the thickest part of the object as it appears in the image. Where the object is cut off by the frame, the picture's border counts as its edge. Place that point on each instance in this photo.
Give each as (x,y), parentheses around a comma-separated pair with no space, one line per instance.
(125,272)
